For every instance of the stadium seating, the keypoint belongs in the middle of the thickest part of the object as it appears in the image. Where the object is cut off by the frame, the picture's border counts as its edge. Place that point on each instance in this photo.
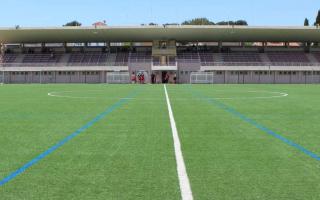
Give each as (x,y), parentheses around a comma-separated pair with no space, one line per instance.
(8,58)
(141,57)
(88,59)
(188,58)
(197,58)
(241,57)
(122,59)
(288,58)
(41,58)
(317,56)
(206,59)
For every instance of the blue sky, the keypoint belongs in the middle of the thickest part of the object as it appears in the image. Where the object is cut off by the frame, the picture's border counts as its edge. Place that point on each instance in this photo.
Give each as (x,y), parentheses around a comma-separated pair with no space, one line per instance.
(33,13)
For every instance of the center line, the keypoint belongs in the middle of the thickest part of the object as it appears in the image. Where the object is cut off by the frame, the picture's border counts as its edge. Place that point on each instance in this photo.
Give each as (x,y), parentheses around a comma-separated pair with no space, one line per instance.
(184,183)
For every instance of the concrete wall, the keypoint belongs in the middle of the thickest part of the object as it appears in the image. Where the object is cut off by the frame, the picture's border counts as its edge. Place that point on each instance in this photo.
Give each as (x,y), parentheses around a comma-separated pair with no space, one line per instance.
(183,76)
(265,77)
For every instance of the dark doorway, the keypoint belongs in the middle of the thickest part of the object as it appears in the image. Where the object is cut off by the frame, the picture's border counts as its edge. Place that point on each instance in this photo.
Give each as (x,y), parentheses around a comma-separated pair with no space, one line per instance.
(165,77)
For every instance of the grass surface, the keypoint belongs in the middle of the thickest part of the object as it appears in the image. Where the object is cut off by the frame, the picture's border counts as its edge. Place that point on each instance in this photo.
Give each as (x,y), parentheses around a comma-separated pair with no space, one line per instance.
(129,154)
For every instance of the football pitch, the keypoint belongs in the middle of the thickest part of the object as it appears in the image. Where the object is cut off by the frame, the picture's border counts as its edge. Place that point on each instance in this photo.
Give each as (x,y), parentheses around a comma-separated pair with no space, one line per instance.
(118,142)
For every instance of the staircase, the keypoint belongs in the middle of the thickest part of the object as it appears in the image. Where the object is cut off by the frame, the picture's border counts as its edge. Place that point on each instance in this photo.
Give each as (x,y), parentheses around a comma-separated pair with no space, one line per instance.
(264,58)
(311,58)
(111,59)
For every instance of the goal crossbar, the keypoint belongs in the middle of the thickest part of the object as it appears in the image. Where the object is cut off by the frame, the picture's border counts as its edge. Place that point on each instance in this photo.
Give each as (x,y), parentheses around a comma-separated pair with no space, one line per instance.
(202,77)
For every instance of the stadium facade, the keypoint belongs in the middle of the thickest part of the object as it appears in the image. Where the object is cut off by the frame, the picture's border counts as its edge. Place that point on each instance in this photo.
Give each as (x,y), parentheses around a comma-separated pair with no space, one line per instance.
(197,54)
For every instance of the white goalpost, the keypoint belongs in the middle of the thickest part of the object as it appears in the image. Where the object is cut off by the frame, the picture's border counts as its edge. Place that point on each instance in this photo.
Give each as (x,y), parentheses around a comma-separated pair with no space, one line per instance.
(118,77)
(201,77)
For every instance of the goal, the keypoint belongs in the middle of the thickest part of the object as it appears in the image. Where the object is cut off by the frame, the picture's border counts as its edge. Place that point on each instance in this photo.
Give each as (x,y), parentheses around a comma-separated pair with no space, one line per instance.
(201,77)
(2,77)
(118,77)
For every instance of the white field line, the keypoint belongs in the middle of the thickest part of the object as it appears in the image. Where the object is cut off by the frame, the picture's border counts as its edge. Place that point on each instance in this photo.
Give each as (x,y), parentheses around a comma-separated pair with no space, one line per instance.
(63,94)
(184,183)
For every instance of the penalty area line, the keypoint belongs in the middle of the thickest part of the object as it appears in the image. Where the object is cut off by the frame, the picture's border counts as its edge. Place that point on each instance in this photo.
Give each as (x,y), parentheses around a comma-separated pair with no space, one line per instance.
(184,182)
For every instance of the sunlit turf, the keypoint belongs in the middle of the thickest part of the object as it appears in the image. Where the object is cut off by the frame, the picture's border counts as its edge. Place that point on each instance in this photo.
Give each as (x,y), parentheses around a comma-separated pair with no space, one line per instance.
(129,154)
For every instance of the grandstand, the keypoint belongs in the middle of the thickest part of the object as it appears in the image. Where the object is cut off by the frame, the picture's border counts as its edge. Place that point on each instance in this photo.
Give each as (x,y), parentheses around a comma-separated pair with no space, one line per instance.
(91,54)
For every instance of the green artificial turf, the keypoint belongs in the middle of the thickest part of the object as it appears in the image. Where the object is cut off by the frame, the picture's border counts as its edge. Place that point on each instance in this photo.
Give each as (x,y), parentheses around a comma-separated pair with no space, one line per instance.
(129,153)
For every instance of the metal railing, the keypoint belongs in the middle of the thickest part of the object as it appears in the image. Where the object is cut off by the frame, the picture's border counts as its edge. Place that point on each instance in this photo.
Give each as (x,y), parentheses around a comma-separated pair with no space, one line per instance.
(106,64)
(80,64)
(296,64)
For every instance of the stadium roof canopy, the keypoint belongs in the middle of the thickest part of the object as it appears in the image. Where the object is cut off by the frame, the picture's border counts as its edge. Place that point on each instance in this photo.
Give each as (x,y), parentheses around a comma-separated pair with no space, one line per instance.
(151,33)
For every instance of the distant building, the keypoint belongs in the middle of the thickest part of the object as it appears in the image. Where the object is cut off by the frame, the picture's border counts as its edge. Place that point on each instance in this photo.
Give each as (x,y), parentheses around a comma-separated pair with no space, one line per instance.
(99,24)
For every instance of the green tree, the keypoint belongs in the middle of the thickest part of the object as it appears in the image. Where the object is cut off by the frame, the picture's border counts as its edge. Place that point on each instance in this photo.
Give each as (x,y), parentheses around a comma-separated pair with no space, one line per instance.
(73,23)
(317,19)
(241,23)
(198,21)
(306,22)
(238,23)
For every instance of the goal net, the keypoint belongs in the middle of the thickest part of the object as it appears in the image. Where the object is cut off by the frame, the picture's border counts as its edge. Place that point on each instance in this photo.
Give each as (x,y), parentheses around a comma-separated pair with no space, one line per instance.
(118,77)
(1,77)
(201,77)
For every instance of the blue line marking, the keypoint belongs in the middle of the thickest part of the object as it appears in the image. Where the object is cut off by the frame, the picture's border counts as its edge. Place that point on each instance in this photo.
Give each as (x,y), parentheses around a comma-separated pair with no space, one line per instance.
(65,140)
(256,124)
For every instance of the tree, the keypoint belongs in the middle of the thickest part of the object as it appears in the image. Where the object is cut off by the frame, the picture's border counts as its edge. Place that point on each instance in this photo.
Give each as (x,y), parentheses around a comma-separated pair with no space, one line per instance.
(317,19)
(73,23)
(241,23)
(238,23)
(198,21)
(306,22)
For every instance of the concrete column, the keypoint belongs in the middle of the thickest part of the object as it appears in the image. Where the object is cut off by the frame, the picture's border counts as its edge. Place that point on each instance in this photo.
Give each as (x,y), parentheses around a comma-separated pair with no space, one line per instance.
(286,44)
(43,46)
(65,47)
(22,47)
(163,60)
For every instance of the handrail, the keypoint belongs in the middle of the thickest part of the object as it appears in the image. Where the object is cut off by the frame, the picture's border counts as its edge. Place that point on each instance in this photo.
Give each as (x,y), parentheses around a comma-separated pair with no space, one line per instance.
(203,63)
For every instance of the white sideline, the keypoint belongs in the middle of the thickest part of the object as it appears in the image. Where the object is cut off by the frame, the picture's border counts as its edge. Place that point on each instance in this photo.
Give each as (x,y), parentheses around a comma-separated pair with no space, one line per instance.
(184,183)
